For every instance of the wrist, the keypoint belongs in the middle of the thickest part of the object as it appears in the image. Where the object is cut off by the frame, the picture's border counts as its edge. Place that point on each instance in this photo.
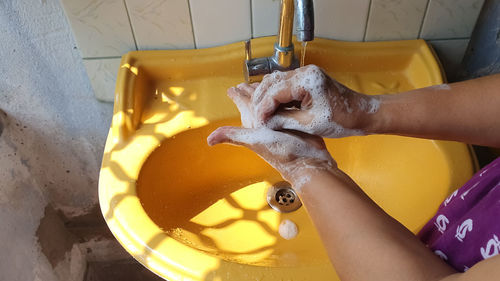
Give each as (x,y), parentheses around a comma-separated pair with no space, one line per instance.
(304,170)
(316,179)
(375,119)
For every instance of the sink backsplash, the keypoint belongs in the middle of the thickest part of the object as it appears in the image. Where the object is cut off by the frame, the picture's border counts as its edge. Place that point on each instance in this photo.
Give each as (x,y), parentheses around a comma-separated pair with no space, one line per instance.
(107,29)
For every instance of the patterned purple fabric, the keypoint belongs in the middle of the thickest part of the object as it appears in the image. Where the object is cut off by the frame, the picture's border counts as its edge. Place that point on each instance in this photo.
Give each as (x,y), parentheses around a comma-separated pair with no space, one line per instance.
(466,228)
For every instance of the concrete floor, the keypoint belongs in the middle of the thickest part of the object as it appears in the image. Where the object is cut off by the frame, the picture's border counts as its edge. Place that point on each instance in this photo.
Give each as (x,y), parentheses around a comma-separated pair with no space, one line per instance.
(124,270)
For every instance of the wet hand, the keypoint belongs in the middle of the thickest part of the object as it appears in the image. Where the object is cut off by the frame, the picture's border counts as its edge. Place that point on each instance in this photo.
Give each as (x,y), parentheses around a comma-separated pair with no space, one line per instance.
(308,100)
(293,154)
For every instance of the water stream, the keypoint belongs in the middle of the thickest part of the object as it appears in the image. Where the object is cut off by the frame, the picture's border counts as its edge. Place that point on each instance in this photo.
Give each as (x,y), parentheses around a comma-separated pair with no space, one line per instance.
(303,53)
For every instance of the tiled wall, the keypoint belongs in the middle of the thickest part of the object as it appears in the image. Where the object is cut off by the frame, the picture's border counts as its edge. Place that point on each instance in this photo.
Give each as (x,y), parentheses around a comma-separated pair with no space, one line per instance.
(107,29)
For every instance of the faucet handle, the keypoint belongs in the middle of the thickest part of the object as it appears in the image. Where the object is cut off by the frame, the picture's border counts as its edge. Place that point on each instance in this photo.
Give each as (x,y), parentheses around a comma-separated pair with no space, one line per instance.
(248,50)
(253,69)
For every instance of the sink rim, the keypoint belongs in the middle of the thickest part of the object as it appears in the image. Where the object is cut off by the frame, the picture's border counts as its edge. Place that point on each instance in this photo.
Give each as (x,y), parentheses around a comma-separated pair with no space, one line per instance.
(127,139)
(123,215)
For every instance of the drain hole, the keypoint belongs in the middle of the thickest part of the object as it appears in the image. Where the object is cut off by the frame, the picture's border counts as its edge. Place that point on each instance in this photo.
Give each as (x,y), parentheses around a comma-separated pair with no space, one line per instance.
(283,198)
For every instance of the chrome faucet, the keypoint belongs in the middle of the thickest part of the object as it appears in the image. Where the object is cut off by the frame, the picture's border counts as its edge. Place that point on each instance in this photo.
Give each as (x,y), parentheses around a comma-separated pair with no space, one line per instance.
(284,57)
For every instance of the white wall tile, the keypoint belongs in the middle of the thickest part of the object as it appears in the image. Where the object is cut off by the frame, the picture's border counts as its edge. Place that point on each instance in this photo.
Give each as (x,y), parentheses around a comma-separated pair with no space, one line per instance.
(395,19)
(219,22)
(161,24)
(450,53)
(450,18)
(265,17)
(101,27)
(102,74)
(341,19)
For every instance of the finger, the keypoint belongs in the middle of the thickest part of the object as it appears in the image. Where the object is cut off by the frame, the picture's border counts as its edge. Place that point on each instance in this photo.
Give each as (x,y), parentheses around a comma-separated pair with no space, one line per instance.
(255,85)
(274,99)
(272,145)
(247,137)
(291,120)
(227,134)
(268,81)
(242,102)
(315,141)
(246,89)
(238,96)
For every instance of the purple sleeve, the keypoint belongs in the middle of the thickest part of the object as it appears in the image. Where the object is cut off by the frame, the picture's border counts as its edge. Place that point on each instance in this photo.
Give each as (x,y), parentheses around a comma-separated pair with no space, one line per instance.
(466,227)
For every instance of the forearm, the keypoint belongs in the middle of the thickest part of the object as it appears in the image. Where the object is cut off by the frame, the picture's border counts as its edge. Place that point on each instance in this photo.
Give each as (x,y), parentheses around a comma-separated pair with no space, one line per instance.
(362,241)
(467,111)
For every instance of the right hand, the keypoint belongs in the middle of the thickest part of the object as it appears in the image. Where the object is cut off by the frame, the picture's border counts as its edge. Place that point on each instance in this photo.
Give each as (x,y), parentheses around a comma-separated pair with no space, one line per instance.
(327,108)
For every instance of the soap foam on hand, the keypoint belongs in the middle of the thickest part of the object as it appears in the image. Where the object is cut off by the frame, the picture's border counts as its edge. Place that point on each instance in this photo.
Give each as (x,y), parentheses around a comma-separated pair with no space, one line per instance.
(309,85)
(278,143)
(284,151)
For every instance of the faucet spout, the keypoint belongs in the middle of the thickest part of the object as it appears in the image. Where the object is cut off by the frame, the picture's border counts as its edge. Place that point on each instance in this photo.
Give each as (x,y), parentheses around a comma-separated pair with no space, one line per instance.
(304,12)
(284,58)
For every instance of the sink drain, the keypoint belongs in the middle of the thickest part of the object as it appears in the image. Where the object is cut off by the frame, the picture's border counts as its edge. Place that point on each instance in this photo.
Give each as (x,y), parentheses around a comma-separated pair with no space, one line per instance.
(282,198)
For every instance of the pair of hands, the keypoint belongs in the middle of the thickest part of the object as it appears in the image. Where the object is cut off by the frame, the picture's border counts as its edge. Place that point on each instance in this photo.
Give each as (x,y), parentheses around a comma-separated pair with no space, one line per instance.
(284,117)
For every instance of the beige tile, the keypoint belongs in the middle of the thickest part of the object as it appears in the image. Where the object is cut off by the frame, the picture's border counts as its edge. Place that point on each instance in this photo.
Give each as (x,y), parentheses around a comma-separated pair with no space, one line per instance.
(395,19)
(161,24)
(219,22)
(101,27)
(265,17)
(450,18)
(102,74)
(450,53)
(341,19)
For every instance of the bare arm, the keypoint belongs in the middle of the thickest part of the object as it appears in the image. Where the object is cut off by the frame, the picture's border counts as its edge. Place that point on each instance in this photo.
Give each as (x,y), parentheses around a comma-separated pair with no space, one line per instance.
(466,111)
(362,241)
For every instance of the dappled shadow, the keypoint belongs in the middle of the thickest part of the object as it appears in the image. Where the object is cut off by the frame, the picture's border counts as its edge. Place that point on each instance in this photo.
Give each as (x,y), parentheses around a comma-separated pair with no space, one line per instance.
(189,190)
(184,178)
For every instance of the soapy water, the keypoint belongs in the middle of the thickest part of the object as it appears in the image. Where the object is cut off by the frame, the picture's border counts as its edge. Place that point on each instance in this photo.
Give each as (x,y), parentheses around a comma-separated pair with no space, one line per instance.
(288,229)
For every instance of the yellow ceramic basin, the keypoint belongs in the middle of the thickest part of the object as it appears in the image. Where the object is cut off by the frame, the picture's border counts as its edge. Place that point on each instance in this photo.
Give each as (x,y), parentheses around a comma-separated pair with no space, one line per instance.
(192,212)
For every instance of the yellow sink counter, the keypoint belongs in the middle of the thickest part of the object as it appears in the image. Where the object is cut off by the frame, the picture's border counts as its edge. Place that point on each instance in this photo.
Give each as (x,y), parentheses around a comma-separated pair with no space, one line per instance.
(188,211)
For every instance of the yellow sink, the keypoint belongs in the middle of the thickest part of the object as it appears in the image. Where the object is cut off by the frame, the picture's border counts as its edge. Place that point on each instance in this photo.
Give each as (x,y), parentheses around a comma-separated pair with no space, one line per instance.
(192,212)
